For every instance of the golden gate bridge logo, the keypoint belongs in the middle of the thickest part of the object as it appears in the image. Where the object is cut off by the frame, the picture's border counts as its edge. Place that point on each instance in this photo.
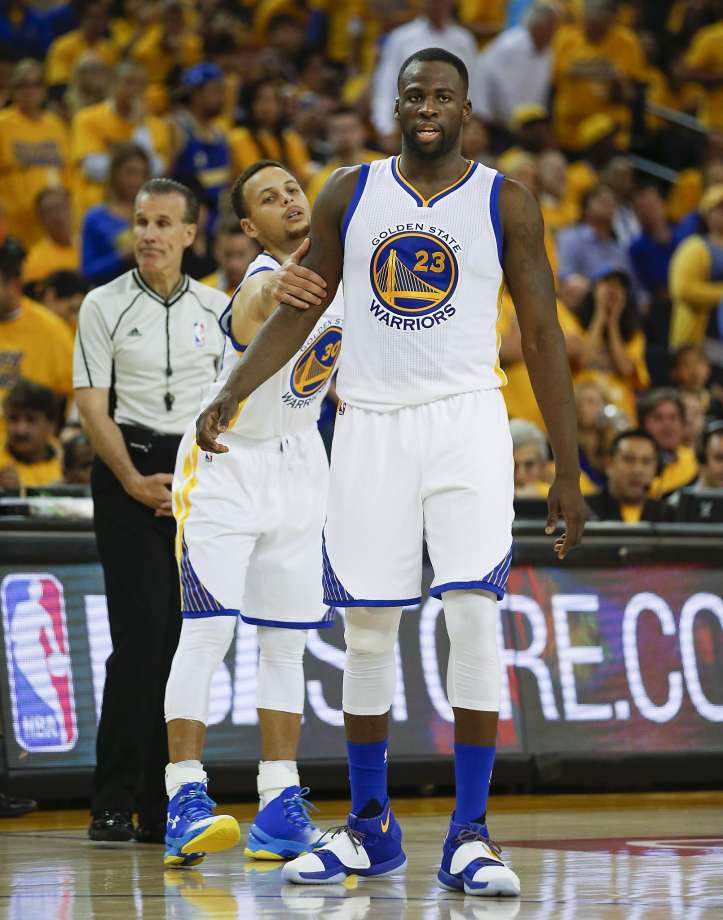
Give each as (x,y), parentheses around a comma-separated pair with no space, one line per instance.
(413,273)
(316,363)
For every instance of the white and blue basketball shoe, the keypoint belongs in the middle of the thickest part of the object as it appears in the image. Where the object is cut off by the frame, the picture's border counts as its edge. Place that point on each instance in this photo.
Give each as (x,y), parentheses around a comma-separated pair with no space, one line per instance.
(366,847)
(193,830)
(472,863)
(282,829)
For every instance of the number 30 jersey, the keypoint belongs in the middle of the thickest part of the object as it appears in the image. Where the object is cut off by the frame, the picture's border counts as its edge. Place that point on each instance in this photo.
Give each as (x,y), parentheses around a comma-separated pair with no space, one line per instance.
(422,281)
(289,401)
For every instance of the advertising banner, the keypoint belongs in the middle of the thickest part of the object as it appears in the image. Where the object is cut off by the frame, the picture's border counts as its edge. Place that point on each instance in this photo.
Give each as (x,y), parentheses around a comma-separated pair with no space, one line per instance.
(594,659)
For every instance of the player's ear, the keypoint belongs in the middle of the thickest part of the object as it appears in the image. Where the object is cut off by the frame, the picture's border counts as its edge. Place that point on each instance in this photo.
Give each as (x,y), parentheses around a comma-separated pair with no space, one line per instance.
(249,228)
(466,110)
(396,107)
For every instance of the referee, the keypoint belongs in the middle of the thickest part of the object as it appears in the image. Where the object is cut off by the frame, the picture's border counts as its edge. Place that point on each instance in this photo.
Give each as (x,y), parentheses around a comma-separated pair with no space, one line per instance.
(147,345)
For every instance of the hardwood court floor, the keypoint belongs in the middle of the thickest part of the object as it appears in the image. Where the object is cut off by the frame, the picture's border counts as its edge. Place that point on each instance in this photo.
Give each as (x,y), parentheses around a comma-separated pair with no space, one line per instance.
(607,857)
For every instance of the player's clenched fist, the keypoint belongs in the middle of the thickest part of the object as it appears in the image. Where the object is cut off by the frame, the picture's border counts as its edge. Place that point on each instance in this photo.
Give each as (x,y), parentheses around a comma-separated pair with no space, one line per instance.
(295,285)
(213,421)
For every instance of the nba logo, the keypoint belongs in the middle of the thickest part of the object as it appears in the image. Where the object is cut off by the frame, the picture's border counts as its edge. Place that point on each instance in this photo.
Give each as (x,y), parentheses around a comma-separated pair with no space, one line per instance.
(199,335)
(38,661)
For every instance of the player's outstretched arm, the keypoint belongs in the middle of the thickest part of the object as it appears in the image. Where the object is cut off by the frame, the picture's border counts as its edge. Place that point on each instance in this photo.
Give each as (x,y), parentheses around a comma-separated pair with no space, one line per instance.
(529,278)
(285,330)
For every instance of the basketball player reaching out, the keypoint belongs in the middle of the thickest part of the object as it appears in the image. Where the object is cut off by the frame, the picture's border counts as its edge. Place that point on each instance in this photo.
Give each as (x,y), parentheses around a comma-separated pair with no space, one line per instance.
(422,446)
(249,540)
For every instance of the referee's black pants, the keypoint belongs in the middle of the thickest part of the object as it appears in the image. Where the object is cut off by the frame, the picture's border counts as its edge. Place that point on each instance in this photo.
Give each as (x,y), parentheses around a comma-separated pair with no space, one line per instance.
(141,580)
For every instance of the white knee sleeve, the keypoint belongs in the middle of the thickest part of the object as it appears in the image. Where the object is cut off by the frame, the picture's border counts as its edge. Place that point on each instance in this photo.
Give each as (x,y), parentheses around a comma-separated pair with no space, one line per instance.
(281,669)
(370,668)
(201,649)
(473,674)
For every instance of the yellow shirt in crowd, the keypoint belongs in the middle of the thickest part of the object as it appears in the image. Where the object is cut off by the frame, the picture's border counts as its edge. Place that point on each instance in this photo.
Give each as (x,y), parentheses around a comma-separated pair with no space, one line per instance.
(98,129)
(34,475)
(319,178)
(247,148)
(34,154)
(213,280)
(677,474)
(65,51)
(38,345)
(694,295)
(158,61)
(47,256)
(578,97)
(706,53)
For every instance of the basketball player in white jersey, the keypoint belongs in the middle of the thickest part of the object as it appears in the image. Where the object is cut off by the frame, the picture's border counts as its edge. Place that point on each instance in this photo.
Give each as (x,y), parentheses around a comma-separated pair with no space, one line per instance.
(422,446)
(249,540)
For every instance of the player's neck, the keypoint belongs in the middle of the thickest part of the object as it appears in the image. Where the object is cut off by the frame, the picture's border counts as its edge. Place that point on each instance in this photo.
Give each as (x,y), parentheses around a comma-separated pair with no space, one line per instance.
(432,174)
(282,253)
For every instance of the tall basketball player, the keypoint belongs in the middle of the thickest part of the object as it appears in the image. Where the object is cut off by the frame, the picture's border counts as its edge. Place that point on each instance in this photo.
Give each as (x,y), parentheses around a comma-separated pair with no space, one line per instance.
(249,540)
(422,446)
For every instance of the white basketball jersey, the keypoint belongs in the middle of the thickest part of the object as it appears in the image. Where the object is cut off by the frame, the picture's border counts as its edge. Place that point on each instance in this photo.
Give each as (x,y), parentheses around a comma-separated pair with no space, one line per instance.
(290,400)
(422,281)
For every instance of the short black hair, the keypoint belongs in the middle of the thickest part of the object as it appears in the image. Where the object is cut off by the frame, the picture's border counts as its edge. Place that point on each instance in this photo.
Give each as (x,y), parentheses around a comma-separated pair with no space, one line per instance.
(688,348)
(436,54)
(710,431)
(163,186)
(26,394)
(12,256)
(66,283)
(237,192)
(631,433)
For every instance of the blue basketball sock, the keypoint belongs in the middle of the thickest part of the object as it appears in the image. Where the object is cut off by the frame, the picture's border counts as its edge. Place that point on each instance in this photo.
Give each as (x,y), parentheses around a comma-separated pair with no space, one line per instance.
(472,772)
(367,774)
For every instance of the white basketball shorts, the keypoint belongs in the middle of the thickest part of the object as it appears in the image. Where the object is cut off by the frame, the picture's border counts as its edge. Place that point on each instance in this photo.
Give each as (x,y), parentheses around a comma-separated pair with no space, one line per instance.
(442,470)
(249,526)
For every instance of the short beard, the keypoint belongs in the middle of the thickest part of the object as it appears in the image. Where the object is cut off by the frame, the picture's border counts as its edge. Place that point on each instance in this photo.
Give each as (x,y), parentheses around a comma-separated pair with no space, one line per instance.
(423,151)
(299,233)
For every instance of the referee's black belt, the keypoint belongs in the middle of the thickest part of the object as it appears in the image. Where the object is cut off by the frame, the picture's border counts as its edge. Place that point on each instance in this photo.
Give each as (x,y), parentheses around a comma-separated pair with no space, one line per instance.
(147,439)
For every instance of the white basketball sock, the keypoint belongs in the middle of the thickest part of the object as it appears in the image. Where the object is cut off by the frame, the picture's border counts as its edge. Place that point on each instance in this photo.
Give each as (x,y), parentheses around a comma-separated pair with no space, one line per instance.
(275,776)
(181,772)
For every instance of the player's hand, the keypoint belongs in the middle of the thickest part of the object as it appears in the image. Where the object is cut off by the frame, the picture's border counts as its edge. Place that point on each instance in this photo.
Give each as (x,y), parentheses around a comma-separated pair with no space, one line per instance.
(295,285)
(213,421)
(153,492)
(565,500)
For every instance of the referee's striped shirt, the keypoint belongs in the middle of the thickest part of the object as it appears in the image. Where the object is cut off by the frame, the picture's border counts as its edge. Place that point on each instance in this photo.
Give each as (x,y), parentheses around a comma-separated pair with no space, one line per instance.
(157,354)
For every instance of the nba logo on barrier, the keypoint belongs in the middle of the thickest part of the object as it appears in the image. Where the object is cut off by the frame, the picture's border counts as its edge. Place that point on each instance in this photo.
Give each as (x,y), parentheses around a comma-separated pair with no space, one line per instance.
(38,660)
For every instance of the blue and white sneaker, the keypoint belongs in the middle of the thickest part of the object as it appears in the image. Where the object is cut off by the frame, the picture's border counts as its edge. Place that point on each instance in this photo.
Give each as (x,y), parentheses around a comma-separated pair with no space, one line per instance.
(472,863)
(193,830)
(283,830)
(363,846)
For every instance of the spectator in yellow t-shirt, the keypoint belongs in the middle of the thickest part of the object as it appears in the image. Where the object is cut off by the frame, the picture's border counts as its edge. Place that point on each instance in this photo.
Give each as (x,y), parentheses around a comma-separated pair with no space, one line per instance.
(558,203)
(58,248)
(92,34)
(234,252)
(168,44)
(34,343)
(97,130)
(28,455)
(518,393)
(266,136)
(662,415)
(696,275)
(346,135)
(613,349)
(703,63)
(593,66)
(33,152)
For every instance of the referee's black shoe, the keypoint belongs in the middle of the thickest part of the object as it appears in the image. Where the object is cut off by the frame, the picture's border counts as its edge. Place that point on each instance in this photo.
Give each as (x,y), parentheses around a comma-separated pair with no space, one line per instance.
(151,827)
(13,807)
(114,826)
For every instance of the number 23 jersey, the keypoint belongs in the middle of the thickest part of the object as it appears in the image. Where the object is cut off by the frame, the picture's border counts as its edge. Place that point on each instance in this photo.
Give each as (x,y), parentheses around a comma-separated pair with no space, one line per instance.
(422,280)
(290,400)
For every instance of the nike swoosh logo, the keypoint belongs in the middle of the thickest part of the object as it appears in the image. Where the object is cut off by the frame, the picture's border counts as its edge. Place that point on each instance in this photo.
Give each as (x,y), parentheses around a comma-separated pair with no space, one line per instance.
(385,824)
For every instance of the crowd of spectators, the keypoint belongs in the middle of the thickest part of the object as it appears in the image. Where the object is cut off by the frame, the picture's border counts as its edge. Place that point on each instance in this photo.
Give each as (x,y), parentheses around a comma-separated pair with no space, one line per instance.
(611,113)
